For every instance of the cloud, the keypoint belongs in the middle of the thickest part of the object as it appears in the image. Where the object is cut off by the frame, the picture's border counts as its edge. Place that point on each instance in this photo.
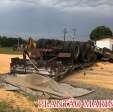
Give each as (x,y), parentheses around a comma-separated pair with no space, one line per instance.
(51,16)
(61,3)
(94,6)
(72,3)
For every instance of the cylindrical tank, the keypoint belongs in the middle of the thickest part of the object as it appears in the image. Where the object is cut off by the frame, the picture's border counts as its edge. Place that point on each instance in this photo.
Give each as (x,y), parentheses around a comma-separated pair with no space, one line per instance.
(49,43)
(80,51)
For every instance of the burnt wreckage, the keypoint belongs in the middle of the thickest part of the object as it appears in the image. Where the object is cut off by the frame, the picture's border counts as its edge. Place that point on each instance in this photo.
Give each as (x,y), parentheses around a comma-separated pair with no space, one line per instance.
(56,58)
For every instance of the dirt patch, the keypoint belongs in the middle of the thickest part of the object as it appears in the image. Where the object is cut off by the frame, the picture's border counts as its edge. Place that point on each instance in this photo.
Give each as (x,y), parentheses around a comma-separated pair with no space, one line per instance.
(101,75)
(5,62)
(17,100)
(98,77)
(12,98)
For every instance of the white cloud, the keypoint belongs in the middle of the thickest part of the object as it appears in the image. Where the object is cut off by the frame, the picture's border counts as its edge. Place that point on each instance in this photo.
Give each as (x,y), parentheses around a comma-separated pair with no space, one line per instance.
(82,5)
(61,3)
(95,6)
(57,14)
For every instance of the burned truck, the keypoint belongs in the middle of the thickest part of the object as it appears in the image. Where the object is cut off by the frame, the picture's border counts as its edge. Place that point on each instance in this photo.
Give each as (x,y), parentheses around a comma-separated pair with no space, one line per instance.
(55,58)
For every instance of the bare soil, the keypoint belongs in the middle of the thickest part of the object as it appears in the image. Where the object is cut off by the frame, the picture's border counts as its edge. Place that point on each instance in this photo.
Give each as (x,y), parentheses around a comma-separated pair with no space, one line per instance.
(101,75)
(17,100)
(98,77)
(14,99)
(5,60)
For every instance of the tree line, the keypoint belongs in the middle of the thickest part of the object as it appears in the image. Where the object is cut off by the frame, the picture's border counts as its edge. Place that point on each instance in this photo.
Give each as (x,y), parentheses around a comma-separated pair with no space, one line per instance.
(10,41)
(97,33)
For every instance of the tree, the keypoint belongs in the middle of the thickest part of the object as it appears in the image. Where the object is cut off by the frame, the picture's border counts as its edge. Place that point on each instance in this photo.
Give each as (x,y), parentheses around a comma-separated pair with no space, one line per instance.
(10,41)
(100,32)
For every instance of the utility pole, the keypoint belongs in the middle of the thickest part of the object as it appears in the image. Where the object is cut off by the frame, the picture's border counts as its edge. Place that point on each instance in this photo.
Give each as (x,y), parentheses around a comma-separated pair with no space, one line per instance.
(74,33)
(65,32)
(18,41)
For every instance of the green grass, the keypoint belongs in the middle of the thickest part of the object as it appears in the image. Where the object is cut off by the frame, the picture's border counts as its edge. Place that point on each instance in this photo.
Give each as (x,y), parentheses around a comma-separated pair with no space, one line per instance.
(31,97)
(6,50)
(4,107)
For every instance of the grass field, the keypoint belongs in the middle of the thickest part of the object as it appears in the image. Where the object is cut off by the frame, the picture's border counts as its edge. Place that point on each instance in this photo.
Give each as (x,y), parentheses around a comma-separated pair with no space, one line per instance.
(4,107)
(6,50)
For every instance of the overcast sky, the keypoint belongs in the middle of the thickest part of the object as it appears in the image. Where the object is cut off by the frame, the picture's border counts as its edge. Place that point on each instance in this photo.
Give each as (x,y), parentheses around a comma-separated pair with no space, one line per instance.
(48,18)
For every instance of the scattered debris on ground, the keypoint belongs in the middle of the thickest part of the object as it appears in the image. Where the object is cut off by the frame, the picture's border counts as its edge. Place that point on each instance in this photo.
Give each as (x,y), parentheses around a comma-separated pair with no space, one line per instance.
(35,84)
(98,78)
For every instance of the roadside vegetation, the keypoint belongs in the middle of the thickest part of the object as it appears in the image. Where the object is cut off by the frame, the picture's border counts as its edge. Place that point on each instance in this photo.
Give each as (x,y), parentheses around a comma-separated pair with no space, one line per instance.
(10,41)
(8,50)
(8,45)
(4,107)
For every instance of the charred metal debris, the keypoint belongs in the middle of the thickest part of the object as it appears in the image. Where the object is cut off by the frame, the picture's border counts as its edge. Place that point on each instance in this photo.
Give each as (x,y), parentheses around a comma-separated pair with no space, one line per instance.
(56,58)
